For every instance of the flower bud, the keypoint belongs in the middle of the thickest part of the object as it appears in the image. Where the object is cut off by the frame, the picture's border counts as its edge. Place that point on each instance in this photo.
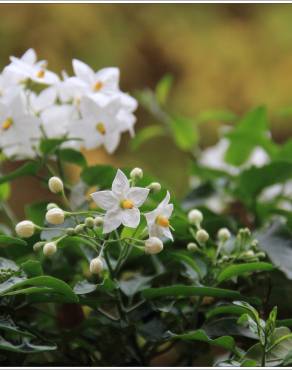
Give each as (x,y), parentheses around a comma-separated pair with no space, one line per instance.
(79,228)
(195,217)
(244,233)
(96,265)
(49,249)
(155,187)
(89,222)
(52,205)
(192,247)
(55,216)
(98,221)
(25,229)
(261,254)
(153,245)
(56,185)
(223,234)
(249,254)
(136,173)
(202,236)
(37,246)
(70,231)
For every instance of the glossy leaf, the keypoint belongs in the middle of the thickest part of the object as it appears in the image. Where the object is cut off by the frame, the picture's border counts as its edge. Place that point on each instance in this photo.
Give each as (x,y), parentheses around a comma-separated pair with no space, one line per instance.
(11,240)
(240,269)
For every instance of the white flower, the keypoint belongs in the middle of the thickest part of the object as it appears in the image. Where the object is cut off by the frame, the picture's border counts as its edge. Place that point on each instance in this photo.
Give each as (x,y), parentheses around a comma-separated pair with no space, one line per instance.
(121,203)
(18,129)
(27,66)
(45,99)
(101,125)
(9,86)
(158,219)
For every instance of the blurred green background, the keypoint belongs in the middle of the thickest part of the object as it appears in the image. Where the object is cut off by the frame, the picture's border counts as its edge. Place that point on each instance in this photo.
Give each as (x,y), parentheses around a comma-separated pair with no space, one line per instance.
(233,56)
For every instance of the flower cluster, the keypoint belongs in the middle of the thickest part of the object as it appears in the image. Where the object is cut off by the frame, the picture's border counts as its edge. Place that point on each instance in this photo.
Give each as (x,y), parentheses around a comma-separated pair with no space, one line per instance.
(87,109)
(116,207)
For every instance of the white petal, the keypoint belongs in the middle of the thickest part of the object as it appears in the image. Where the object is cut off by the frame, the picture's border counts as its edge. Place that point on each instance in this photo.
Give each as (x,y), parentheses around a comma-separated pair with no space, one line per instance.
(105,199)
(167,211)
(165,201)
(151,216)
(111,141)
(167,233)
(120,184)
(83,71)
(45,99)
(29,56)
(131,217)
(112,220)
(138,195)
(89,108)
(110,76)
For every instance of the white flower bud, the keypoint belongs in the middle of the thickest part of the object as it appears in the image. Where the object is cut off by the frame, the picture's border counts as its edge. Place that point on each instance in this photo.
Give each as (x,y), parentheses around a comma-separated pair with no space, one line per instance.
(55,216)
(52,205)
(192,247)
(153,245)
(55,185)
(96,265)
(98,221)
(202,236)
(154,186)
(195,217)
(79,228)
(223,234)
(49,249)
(249,254)
(136,173)
(25,229)
(37,246)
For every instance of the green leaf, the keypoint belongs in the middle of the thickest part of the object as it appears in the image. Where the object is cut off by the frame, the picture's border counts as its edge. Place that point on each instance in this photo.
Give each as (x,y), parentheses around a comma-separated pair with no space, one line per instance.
(252,181)
(29,168)
(72,156)
(226,309)
(99,175)
(36,212)
(146,134)
(184,132)
(6,324)
(32,268)
(189,291)
(11,240)
(57,286)
(163,88)
(190,261)
(5,191)
(250,132)
(25,346)
(226,342)
(49,146)
(276,241)
(243,268)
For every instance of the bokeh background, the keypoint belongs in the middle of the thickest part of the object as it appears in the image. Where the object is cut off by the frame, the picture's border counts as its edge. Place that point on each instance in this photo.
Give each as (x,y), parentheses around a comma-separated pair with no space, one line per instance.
(232,56)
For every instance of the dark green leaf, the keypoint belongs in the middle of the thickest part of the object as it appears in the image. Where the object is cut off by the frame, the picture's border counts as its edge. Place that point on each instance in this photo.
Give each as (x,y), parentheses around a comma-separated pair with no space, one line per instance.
(32,268)
(99,175)
(11,240)
(72,156)
(243,268)
(29,168)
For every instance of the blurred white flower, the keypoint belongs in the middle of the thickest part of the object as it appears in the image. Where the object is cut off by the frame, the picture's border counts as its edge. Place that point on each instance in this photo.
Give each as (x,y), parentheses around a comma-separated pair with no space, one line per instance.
(56,120)
(158,219)
(121,203)
(27,66)
(45,99)
(19,130)
(101,125)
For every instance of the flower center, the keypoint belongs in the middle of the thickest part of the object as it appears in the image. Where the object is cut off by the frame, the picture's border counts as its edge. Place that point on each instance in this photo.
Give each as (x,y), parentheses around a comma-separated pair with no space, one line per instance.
(41,73)
(7,123)
(162,221)
(101,128)
(97,86)
(127,204)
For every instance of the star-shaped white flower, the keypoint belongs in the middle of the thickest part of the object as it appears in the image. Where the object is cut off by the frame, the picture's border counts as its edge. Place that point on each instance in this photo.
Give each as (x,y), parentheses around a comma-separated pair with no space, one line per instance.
(158,219)
(27,66)
(19,130)
(56,120)
(121,203)
(101,125)
(46,98)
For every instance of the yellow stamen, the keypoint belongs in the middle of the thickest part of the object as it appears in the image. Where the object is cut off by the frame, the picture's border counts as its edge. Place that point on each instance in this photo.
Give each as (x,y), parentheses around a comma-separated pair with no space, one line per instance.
(97,86)
(127,204)
(162,221)
(7,123)
(101,128)
(41,73)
